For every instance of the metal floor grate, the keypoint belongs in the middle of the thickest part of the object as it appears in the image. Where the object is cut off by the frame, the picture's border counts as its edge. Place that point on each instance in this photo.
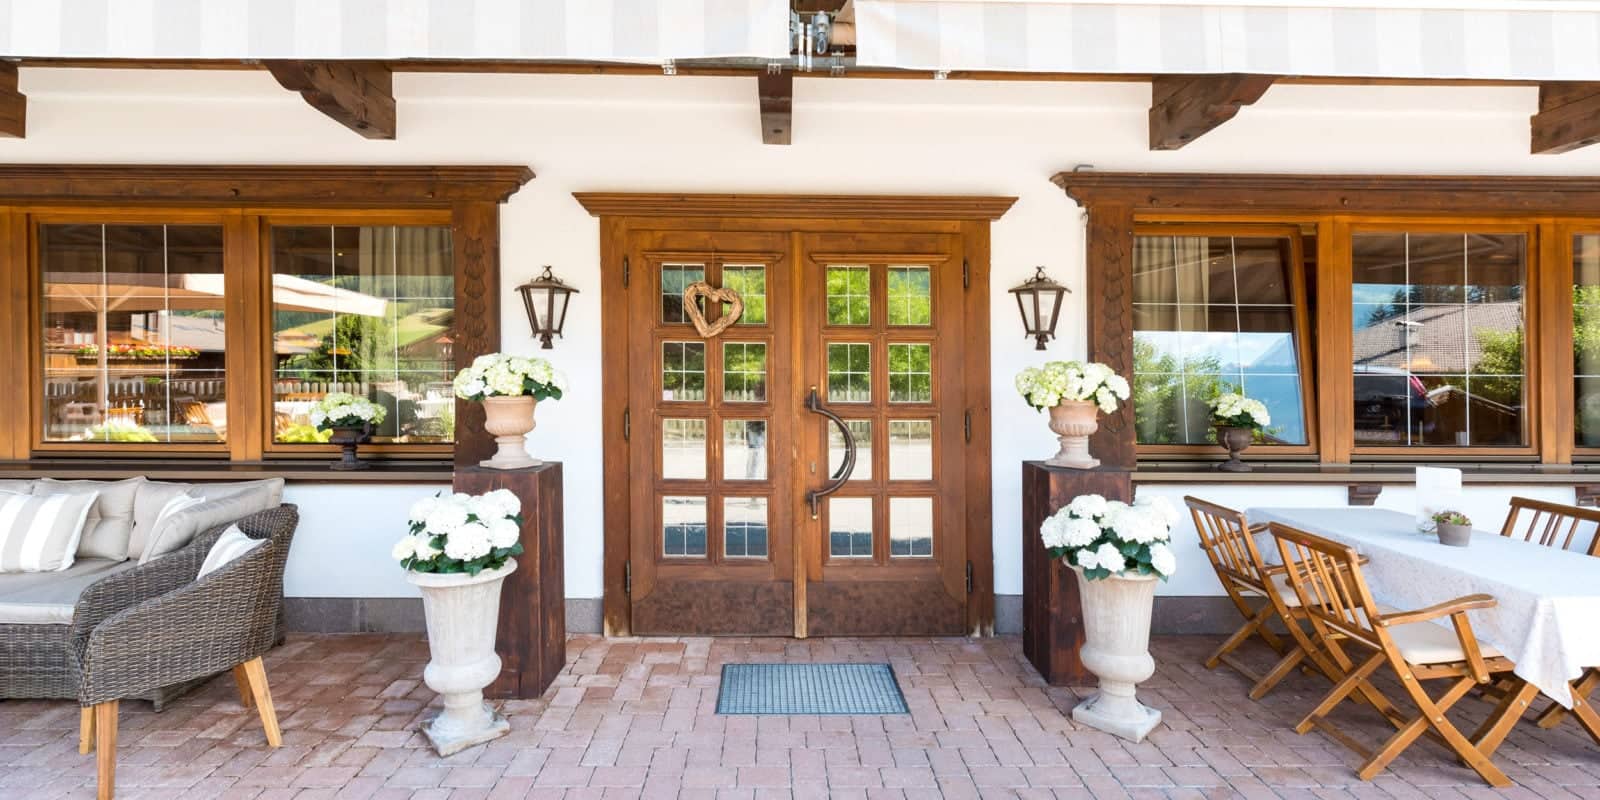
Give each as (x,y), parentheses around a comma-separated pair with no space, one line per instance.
(810,689)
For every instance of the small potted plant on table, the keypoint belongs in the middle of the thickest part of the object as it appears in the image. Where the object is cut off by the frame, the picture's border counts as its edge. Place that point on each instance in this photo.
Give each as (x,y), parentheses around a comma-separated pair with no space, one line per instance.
(1237,419)
(1453,528)
(509,387)
(1074,393)
(350,418)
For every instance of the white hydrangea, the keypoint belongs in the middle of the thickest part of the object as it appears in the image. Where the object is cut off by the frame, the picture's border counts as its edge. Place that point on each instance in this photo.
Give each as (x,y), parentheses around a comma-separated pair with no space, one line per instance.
(1237,410)
(423,545)
(1163,560)
(1088,505)
(446,516)
(340,409)
(422,508)
(501,375)
(468,542)
(1079,532)
(1110,557)
(1047,386)
(504,532)
(404,549)
(1053,531)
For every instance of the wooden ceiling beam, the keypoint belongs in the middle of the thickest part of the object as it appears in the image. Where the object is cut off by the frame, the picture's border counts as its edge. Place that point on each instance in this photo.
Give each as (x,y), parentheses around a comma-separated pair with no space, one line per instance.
(1568,118)
(1185,107)
(356,94)
(13,104)
(777,106)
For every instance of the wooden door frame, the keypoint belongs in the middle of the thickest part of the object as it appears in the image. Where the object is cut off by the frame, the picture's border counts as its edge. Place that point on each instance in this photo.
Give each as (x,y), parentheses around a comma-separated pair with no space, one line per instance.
(620,213)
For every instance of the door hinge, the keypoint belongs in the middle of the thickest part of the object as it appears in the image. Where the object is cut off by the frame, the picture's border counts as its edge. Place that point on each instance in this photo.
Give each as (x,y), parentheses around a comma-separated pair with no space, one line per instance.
(627,577)
(969,577)
(966,426)
(626,269)
(627,423)
(966,274)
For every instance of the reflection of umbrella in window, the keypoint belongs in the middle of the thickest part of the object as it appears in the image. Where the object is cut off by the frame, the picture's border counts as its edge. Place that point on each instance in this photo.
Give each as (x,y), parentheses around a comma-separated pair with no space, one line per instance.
(196,292)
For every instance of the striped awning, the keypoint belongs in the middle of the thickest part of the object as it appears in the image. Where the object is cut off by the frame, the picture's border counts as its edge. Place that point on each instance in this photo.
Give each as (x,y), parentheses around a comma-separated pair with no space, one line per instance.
(1485,39)
(587,30)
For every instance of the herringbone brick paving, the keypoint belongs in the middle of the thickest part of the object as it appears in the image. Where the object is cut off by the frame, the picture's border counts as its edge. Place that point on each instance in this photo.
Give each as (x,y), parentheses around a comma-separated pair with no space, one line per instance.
(634,718)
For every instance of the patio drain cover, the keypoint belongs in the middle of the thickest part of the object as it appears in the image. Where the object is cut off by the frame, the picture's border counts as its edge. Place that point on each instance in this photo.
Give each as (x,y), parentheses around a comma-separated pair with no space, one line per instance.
(810,689)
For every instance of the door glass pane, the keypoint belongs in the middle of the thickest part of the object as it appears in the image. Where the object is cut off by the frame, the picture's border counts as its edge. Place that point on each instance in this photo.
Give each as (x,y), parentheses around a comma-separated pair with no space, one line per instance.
(367,310)
(910,526)
(910,296)
(674,279)
(744,449)
(1586,337)
(683,371)
(744,527)
(849,296)
(911,450)
(1438,339)
(133,333)
(683,526)
(861,431)
(1213,314)
(850,527)
(751,284)
(683,449)
(849,372)
(910,373)
(744,372)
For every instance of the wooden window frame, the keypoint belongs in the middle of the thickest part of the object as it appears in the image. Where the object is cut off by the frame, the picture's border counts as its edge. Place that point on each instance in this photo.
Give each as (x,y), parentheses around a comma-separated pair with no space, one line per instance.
(1550,209)
(1303,324)
(244,198)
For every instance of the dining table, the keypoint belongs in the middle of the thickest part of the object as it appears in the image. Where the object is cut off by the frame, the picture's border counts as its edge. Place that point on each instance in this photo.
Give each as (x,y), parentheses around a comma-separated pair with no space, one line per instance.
(1546,618)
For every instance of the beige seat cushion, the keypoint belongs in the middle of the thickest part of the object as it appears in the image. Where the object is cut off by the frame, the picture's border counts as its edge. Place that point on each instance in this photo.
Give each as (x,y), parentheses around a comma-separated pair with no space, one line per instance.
(47,598)
(151,499)
(268,492)
(1430,643)
(1280,582)
(40,534)
(20,487)
(181,527)
(109,528)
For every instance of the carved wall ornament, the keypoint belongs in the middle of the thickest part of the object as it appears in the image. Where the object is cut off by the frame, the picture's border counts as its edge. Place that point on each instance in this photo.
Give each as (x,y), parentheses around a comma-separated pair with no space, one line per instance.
(702,290)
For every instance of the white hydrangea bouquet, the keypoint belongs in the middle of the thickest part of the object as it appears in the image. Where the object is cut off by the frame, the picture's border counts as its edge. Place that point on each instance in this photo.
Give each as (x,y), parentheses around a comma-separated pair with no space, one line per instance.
(344,410)
(1110,538)
(1233,410)
(502,375)
(1046,386)
(462,533)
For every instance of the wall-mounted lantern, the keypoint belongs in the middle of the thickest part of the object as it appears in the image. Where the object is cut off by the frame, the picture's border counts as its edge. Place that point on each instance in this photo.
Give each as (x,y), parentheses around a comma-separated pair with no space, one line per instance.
(1039,300)
(545,298)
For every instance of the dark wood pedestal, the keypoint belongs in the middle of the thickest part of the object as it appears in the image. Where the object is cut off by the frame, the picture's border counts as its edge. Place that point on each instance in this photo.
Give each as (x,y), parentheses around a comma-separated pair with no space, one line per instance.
(532,640)
(1052,619)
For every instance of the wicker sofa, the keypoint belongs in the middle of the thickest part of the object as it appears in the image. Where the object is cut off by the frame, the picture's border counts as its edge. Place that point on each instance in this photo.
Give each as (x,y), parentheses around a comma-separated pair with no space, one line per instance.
(118,614)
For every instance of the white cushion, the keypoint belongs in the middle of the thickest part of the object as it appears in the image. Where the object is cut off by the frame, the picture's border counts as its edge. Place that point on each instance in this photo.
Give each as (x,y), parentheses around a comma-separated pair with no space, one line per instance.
(1430,643)
(229,546)
(109,528)
(180,527)
(40,534)
(148,503)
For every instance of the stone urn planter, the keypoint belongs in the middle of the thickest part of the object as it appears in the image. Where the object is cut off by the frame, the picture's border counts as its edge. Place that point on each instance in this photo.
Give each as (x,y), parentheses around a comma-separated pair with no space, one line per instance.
(1073,422)
(1116,648)
(1234,440)
(463,612)
(348,438)
(1453,534)
(510,419)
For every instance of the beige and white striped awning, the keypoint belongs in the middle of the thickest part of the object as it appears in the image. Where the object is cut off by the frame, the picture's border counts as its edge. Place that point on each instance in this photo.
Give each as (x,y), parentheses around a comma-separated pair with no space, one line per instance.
(1483,39)
(586,30)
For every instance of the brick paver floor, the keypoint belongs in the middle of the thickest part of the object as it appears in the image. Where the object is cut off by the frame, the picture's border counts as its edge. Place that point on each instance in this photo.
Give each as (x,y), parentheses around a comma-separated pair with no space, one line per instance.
(635,718)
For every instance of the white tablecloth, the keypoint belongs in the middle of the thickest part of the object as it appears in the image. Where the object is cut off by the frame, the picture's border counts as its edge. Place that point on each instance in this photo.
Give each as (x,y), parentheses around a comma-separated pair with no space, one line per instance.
(1548,616)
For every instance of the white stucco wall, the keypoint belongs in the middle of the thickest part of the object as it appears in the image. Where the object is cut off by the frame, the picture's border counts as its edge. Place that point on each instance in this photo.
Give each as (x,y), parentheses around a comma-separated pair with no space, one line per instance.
(589,133)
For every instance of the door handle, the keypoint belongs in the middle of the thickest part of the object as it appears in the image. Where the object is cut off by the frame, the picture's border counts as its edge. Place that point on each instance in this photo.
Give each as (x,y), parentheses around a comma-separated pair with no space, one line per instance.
(836,482)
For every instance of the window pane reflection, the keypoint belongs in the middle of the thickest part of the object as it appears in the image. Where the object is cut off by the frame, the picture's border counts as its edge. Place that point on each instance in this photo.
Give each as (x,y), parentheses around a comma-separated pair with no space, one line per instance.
(683,526)
(683,449)
(744,527)
(850,527)
(744,450)
(910,526)
(861,432)
(1586,337)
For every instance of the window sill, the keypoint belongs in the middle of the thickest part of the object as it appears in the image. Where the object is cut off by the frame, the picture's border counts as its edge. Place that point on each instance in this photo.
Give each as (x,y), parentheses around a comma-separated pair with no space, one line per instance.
(296,471)
(1388,472)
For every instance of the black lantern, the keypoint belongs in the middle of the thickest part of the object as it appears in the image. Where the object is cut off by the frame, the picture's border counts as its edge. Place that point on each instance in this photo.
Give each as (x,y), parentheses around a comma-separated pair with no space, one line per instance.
(546,298)
(1039,300)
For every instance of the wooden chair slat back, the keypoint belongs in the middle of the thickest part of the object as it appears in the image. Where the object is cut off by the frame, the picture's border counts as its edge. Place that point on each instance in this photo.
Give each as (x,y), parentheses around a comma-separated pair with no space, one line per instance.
(1225,535)
(1327,578)
(1551,524)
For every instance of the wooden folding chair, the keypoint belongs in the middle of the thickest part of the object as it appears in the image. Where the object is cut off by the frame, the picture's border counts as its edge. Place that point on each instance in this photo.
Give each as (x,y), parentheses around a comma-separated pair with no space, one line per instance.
(1261,593)
(1334,596)
(1549,524)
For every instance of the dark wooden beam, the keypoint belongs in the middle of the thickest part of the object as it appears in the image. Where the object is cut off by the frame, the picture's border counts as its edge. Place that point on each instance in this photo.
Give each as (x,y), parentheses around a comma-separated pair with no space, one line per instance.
(356,94)
(13,104)
(1568,118)
(777,106)
(1185,107)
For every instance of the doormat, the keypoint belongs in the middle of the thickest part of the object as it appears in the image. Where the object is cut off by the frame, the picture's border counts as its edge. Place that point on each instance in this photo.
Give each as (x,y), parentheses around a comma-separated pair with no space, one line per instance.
(810,689)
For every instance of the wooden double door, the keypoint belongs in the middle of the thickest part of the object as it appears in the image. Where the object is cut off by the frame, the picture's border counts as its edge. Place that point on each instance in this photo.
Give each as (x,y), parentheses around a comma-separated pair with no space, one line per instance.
(804,470)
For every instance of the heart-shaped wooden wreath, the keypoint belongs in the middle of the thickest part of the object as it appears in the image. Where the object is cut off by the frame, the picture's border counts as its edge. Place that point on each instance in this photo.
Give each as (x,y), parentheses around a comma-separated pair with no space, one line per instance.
(730,315)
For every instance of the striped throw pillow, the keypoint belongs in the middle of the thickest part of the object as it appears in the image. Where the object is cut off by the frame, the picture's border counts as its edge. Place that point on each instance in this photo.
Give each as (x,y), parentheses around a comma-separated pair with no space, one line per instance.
(229,546)
(41,533)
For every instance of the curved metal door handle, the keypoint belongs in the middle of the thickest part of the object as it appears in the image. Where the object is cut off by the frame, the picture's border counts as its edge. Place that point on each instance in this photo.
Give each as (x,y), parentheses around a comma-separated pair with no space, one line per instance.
(836,482)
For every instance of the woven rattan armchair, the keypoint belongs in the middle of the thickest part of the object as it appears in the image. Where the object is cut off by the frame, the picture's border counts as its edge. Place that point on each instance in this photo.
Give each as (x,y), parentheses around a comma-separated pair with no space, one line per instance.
(159,626)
